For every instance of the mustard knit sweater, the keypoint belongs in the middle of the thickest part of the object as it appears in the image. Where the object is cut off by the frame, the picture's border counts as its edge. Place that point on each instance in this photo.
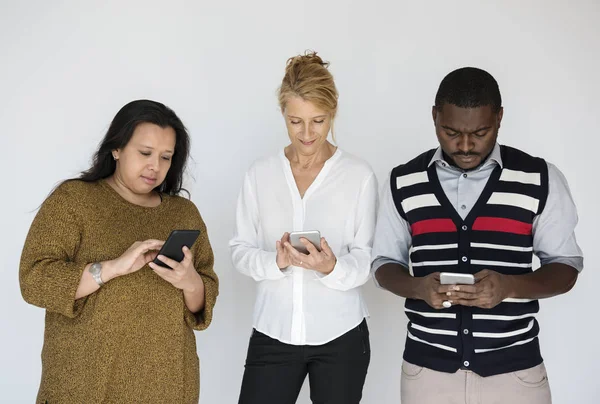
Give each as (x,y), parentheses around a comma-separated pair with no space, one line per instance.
(132,341)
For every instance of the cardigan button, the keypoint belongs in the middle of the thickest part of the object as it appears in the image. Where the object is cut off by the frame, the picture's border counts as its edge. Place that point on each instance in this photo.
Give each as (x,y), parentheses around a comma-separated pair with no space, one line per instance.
(466,363)
(465,227)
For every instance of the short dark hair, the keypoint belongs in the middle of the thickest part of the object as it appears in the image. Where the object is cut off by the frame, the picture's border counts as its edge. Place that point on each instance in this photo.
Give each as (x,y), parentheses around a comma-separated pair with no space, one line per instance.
(469,87)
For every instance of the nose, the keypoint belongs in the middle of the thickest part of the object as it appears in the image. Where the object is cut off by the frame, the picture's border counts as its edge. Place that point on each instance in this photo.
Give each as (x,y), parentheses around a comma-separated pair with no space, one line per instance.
(464,143)
(153,162)
(305,131)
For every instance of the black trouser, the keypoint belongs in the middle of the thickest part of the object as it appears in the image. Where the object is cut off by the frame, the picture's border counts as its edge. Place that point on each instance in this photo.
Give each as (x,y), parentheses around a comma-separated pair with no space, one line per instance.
(336,370)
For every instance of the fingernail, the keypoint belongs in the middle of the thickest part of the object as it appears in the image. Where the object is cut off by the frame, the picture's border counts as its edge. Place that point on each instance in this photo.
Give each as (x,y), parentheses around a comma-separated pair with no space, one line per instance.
(457,288)
(448,293)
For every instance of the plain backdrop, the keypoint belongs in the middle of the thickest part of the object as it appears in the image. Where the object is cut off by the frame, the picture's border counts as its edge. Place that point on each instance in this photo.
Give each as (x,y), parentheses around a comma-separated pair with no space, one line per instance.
(67,67)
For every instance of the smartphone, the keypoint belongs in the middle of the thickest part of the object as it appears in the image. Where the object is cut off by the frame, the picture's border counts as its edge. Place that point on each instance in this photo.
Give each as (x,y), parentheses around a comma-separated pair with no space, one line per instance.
(314,236)
(172,247)
(453,278)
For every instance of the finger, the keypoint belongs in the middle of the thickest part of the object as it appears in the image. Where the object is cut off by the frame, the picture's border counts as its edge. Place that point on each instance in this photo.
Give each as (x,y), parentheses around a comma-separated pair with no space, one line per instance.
(278,247)
(285,238)
(471,289)
(309,246)
(446,304)
(149,245)
(164,273)
(154,242)
(466,302)
(436,276)
(443,289)
(456,287)
(150,255)
(439,304)
(187,256)
(461,295)
(168,261)
(325,247)
(295,254)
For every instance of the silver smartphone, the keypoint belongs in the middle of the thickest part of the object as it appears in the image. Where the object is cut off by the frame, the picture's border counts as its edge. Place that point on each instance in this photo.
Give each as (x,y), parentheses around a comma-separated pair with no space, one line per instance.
(314,236)
(453,278)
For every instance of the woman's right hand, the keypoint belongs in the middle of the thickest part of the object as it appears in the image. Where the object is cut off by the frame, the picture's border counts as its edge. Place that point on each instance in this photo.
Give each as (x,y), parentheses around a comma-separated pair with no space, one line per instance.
(139,254)
(283,257)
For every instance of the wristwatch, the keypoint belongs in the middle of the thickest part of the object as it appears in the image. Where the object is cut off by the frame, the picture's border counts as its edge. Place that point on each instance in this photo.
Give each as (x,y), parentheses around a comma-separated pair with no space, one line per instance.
(96,271)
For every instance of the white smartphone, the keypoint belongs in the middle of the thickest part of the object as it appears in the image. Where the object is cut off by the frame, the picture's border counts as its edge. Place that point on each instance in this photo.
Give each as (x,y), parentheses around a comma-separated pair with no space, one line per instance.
(453,278)
(314,236)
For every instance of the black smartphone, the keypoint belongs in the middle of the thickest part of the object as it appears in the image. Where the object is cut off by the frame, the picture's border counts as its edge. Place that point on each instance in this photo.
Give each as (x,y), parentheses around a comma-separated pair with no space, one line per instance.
(172,247)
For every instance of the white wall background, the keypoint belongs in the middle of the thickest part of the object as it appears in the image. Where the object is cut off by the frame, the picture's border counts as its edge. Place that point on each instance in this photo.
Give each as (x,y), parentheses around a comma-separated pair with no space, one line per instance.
(66,67)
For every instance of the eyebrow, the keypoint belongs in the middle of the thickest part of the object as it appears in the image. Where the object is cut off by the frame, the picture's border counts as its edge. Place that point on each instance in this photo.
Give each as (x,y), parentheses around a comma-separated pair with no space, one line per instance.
(152,148)
(475,131)
(314,117)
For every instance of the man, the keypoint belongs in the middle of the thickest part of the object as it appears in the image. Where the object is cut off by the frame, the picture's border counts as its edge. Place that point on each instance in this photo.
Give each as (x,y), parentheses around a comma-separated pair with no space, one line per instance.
(472,206)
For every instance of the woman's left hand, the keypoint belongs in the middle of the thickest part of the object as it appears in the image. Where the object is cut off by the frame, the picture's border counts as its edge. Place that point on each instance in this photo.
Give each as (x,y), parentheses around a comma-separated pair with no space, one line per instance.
(321,261)
(183,275)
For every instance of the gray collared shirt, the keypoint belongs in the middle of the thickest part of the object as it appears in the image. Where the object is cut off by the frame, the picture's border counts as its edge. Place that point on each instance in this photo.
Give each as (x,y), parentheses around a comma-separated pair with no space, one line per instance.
(553,230)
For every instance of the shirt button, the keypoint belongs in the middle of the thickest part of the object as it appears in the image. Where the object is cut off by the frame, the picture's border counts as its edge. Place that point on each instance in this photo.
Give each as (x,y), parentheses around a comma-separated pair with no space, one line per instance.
(465,227)
(463,207)
(465,331)
(465,175)
(466,363)
(464,259)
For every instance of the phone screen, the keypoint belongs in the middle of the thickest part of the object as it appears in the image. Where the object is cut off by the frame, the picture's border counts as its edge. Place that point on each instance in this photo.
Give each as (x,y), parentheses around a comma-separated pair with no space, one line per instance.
(174,244)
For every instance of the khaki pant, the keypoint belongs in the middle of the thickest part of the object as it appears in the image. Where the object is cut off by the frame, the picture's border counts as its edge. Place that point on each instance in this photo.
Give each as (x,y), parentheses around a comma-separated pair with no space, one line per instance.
(425,386)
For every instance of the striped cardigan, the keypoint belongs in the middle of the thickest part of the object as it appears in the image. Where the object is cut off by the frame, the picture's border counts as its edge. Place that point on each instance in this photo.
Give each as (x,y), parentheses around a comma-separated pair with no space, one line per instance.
(496,235)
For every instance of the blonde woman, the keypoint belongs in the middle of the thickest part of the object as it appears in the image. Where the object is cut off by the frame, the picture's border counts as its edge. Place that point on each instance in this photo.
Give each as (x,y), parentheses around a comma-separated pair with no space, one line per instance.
(309,316)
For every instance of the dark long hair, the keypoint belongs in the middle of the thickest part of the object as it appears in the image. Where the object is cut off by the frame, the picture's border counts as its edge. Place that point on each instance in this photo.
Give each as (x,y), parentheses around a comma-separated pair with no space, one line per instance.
(120,131)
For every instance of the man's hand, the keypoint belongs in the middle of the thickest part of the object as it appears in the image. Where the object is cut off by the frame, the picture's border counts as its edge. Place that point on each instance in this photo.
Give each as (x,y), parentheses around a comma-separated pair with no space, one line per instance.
(489,290)
(432,292)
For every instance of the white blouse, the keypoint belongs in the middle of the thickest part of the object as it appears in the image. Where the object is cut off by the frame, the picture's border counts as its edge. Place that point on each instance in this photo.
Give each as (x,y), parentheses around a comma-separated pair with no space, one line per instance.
(299,306)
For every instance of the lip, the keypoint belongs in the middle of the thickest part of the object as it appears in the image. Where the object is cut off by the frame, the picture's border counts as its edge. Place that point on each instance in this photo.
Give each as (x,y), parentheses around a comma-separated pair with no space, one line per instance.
(307,143)
(149,180)
(466,159)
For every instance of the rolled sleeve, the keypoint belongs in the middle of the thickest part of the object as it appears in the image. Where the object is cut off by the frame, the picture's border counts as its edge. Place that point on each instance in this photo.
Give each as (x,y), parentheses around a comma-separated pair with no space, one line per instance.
(554,229)
(393,237)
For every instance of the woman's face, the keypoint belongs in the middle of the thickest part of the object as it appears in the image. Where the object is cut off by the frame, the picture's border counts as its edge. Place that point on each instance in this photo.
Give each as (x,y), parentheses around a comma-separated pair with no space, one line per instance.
(143,163)
(307,125)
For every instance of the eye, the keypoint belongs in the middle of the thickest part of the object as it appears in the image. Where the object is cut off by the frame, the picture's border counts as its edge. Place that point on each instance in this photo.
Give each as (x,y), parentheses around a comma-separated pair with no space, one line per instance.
(452,134)
(321,121)
(143,153)
(167,158)
(480,134)
(294,122)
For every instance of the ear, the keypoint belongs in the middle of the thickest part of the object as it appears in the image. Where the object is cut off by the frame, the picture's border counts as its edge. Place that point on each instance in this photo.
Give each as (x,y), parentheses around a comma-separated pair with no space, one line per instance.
(434,112)
(500,115)
(115,154)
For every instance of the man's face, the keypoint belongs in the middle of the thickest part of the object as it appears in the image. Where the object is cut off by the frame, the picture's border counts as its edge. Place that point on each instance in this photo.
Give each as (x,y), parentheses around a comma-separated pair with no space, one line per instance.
(467,135)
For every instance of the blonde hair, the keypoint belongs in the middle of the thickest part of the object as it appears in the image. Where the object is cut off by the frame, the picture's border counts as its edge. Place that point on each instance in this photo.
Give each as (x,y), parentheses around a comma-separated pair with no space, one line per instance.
(306,76)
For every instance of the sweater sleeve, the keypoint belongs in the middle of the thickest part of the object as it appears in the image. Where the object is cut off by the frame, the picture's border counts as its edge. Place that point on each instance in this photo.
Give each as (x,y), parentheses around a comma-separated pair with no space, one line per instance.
(204,263)
(48,275)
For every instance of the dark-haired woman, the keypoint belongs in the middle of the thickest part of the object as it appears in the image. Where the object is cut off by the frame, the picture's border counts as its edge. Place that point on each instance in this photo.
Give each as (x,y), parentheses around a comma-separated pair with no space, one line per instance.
(118,327)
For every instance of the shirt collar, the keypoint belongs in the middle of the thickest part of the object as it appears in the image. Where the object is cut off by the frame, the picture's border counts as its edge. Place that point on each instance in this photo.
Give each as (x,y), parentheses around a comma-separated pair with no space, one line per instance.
(495,157)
